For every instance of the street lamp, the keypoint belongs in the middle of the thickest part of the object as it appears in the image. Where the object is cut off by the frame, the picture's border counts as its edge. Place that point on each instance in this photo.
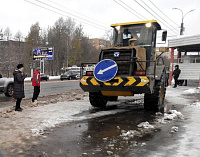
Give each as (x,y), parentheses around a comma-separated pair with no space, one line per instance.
(183,16)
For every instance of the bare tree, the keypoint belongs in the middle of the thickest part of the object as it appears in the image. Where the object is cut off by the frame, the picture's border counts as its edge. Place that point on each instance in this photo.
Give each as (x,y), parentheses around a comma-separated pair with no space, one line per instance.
(18,36)
(108,35)
(7,33)
(60,36)
(33,40)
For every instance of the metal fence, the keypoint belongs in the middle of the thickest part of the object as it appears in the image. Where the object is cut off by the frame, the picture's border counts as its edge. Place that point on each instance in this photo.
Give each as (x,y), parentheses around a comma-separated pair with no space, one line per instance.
(186,60)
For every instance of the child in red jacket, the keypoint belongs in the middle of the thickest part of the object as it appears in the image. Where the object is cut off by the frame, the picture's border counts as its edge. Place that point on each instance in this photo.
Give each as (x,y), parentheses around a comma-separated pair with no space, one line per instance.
(36,84)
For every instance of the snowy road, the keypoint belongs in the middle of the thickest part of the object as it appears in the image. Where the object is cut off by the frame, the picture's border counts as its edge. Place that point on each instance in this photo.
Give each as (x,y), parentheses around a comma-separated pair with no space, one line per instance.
(69,126)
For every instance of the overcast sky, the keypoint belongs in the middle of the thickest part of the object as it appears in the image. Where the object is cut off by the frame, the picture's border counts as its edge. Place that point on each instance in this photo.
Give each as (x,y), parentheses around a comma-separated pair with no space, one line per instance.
(20,14)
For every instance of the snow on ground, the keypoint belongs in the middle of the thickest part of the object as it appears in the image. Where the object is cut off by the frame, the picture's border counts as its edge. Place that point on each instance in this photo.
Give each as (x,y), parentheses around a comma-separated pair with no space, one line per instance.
(50,78)
(60,112)
(189,139)
(195,104)
(34,120)
(54,77)
(192,90)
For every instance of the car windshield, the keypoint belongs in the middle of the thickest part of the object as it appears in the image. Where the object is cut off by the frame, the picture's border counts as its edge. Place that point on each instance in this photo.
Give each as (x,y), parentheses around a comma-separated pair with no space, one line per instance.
(76,72)
(71,72)
(68,73)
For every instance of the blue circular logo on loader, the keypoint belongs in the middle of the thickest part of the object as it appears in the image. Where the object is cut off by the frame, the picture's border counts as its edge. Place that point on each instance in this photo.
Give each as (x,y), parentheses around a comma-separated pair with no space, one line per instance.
(105,70)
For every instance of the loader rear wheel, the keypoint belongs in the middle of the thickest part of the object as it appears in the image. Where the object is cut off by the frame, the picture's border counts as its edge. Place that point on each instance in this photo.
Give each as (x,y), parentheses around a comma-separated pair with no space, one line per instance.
(97,99)
(155,101)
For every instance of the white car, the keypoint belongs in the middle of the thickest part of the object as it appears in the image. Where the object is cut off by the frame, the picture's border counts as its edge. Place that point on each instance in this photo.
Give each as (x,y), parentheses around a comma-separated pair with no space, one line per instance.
(6,86)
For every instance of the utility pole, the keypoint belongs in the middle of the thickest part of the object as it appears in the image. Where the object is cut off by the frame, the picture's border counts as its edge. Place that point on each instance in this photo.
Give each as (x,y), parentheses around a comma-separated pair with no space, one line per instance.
(182,29)
(183,16)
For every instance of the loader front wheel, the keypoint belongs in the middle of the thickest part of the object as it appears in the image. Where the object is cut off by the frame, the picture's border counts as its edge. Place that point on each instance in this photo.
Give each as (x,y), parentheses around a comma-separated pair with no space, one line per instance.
(97,99)
(155,101)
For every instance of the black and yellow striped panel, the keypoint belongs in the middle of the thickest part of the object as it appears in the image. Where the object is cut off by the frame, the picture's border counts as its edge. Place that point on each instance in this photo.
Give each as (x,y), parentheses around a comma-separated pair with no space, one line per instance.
(117,81)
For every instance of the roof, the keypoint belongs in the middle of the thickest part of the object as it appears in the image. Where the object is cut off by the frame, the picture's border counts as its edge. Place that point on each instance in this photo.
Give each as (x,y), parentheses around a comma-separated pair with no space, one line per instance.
(186,43)
(137,23)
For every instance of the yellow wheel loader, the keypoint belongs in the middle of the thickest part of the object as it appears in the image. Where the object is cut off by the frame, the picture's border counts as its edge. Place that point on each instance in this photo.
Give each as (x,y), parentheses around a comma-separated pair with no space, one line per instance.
(130,66)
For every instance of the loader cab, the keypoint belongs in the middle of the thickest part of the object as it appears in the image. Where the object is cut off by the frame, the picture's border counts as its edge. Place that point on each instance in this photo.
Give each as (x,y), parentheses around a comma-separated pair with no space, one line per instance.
(141,34)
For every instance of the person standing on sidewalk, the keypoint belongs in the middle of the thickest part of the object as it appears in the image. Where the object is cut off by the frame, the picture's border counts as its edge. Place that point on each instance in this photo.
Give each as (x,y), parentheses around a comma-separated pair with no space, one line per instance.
(36,84)
(18,94)
(176,74)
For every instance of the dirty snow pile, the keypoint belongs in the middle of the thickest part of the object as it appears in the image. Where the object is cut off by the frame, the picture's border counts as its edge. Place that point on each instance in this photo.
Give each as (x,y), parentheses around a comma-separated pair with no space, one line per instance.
(170,115)
(143,128)
(127,138)
(7,112)
(145,125)
(129,134)
(195,104)
(173,114)
(192,90)
(174,129)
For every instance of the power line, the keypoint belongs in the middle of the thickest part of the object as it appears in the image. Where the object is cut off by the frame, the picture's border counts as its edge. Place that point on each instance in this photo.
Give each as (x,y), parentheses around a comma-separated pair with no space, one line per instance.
(153,15)
(163,13)
(132,9)
(141,15)
(157,14)
(127,9)
(69,13)
(93,25)
(75,11)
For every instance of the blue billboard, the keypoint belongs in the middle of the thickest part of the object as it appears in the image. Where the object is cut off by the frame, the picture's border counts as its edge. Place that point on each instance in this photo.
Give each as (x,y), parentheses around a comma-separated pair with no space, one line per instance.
(43,53)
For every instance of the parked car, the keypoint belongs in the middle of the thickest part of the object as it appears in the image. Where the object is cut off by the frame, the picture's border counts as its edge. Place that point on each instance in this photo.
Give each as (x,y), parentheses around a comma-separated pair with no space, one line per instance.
(44,77)
(70,75)
(6,86)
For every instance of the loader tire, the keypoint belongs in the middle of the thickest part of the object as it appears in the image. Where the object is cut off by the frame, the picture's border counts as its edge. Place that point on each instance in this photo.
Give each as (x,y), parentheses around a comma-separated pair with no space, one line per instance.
(155,101)
(97,99)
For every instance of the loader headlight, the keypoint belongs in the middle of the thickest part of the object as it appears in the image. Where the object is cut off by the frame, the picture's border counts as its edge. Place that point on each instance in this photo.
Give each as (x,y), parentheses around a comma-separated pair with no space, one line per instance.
(118,28)
(148,25)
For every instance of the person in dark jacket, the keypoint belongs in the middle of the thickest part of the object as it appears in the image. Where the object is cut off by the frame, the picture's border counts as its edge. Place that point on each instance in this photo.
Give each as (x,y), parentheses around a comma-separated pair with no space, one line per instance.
(176,74)
(19,86)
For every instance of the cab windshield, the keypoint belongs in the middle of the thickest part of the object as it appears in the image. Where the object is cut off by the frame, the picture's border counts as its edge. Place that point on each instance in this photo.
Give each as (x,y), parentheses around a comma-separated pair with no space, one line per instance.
(141,35)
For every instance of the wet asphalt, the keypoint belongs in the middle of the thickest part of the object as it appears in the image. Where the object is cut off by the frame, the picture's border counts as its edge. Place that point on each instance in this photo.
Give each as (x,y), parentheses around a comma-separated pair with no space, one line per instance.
(102,136)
